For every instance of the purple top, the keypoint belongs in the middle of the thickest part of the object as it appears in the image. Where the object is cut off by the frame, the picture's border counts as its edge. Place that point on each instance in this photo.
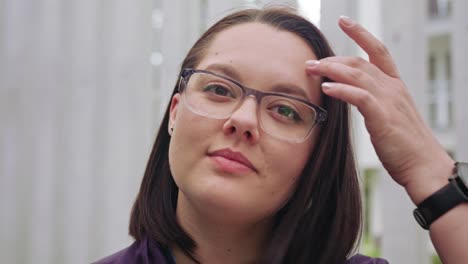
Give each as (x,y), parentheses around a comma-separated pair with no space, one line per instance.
(148,251)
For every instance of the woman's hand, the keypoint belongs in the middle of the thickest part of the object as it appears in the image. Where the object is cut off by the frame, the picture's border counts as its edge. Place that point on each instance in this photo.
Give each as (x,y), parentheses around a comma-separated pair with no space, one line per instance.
(404,143)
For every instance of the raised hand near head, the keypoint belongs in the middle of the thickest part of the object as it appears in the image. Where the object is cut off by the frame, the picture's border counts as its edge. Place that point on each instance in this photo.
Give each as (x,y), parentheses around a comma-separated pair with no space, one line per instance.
(404,143)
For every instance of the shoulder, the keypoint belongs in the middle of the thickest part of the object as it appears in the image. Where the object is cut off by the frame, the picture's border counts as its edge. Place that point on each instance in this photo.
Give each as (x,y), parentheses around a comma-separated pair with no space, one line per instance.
(141,251)
(115,258)
(361,259)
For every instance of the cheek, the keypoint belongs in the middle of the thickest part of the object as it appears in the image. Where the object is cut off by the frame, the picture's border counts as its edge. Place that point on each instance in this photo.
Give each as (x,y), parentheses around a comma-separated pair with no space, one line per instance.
(186,143)
(190,141)
(285,166)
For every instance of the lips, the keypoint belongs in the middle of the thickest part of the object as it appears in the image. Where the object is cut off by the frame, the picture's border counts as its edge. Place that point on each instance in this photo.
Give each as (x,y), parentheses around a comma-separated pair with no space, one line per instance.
(232,156)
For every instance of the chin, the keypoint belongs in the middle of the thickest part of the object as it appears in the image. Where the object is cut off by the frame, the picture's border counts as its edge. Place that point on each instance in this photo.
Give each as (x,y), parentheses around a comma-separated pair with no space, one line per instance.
(229,206)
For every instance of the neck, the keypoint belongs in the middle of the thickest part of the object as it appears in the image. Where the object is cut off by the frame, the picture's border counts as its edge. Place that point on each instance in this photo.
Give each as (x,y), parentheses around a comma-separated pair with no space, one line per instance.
(221,239)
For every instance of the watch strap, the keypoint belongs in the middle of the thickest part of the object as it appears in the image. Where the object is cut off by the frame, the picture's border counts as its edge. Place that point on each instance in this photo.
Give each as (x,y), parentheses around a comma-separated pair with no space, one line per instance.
(439,203)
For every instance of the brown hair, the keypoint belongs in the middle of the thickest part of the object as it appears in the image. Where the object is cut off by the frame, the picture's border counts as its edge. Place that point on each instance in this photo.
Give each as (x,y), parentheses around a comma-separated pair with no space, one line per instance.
(322,220)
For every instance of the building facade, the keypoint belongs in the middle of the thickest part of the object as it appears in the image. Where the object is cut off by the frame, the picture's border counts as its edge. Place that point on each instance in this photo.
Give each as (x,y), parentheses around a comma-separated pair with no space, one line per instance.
(427,39)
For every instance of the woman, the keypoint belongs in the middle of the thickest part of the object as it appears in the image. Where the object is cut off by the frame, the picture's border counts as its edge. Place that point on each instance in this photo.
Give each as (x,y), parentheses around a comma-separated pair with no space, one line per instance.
(253,161)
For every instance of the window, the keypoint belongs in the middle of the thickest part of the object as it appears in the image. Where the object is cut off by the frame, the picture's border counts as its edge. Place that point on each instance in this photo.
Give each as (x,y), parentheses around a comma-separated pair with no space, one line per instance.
(439,8)
(440,91)
(372,237)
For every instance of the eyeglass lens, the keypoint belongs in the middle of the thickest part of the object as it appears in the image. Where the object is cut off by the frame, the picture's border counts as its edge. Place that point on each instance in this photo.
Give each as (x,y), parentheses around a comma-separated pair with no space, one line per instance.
(216,97)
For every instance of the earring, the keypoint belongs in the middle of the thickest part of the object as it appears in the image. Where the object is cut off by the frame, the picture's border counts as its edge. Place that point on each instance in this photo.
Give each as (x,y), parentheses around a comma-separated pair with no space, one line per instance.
(309,205)
(170,131)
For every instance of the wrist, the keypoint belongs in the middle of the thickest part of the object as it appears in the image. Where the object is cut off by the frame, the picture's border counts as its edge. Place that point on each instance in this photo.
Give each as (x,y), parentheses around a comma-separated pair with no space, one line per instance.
(445,199)
(429,180)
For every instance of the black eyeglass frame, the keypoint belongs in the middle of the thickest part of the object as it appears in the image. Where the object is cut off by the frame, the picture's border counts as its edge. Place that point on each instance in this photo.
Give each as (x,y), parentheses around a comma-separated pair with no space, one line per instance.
(246,91)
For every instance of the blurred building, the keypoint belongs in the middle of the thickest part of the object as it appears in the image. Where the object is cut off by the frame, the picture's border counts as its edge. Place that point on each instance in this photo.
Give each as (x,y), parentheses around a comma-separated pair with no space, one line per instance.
(428,40)
(83,85)
(76,125)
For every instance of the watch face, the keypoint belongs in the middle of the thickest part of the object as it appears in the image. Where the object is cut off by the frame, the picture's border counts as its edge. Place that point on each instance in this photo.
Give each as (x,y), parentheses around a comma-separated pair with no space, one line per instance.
(462,171)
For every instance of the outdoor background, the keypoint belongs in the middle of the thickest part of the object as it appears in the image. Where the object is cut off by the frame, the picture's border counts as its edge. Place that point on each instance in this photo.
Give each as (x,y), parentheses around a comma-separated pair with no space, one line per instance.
(83,84)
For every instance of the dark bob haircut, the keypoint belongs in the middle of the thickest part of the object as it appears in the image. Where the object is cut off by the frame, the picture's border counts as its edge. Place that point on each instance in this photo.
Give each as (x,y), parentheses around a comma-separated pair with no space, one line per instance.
(321,223)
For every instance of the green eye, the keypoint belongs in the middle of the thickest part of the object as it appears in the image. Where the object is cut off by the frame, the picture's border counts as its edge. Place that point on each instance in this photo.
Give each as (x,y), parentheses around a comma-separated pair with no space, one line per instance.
(287,112)
(218,90)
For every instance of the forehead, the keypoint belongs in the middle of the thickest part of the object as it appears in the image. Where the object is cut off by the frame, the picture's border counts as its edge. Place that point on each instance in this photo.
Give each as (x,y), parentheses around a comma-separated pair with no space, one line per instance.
(263,56)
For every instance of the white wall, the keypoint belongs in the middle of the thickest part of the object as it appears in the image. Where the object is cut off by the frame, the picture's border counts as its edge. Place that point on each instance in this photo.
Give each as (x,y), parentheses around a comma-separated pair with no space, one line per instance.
(74,131)
(460,77)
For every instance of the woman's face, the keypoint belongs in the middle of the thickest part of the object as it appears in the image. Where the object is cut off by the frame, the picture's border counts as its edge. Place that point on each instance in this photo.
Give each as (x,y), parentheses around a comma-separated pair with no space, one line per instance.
(206,154)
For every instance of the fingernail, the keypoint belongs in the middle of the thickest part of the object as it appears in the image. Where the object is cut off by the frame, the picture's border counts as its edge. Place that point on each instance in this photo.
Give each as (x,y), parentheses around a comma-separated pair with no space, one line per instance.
(327,85)
(347,21)
(312,62)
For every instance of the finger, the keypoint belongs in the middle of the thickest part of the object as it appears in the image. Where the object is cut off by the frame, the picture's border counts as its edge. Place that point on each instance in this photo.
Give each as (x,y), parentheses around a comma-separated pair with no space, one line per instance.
(365,102)
(356,63)
(341,73)
(378,53)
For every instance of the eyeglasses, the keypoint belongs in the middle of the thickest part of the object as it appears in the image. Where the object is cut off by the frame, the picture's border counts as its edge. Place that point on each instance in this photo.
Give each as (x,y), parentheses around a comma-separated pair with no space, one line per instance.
(280,115)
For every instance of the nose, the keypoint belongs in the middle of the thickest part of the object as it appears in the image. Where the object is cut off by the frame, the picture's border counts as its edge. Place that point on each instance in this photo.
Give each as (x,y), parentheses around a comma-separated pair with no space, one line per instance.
(244,121)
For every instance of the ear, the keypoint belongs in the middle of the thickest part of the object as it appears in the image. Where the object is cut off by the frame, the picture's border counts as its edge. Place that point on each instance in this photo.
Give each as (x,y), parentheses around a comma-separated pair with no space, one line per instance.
(173,112)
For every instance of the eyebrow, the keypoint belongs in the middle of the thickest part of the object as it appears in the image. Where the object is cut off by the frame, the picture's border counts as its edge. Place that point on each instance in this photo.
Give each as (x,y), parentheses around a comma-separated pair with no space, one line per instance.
(291,90)
(284,88)
(224,69)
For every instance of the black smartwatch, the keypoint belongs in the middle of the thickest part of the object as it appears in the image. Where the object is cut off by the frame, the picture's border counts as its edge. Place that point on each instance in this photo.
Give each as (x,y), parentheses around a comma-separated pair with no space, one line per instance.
(451,195)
